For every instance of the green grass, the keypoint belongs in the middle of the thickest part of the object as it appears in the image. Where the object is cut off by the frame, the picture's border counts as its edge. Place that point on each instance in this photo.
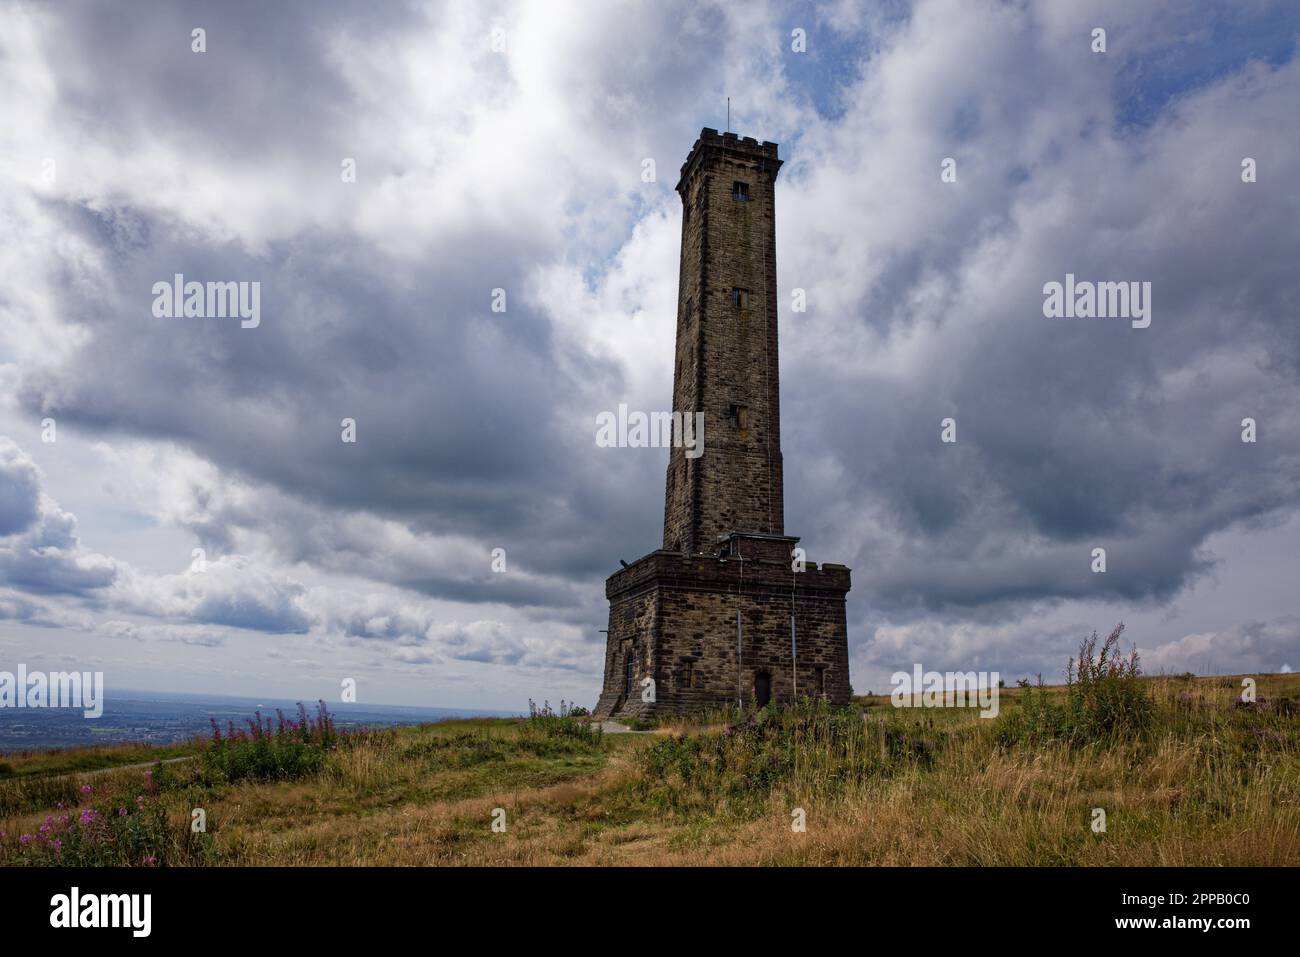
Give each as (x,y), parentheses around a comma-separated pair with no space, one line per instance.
(27,764)
(1186,776)
(462,759)
(346,778)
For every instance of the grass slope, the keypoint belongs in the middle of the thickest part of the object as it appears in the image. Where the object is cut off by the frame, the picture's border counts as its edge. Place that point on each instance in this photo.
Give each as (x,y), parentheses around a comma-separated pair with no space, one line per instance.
(1201,782)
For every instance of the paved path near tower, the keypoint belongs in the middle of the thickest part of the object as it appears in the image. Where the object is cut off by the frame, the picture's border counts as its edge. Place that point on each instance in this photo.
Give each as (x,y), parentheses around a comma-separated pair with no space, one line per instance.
(614,727)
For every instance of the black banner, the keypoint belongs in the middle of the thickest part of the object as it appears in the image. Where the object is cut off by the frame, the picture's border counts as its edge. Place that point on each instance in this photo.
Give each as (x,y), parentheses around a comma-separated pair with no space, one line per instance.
(917,905)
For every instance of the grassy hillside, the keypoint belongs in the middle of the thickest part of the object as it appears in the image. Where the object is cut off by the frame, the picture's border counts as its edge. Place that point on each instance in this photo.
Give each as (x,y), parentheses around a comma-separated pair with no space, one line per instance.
(1184,775)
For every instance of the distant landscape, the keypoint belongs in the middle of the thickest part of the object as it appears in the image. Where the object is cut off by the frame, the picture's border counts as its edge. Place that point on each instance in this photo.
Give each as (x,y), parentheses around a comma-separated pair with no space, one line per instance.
(152,717)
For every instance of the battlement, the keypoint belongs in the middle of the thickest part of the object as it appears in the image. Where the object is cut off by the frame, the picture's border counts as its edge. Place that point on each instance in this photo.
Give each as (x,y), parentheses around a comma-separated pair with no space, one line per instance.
(733,574)
(734,141)
(711,142)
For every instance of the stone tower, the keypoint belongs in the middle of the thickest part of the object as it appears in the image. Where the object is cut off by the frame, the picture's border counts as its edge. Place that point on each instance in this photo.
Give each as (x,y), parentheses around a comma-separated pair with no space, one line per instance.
(728,610)
(727,346)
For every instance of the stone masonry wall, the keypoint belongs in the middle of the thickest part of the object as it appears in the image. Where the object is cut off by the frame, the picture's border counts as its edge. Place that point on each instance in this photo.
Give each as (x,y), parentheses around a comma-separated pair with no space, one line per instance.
(727,351)
(680,612)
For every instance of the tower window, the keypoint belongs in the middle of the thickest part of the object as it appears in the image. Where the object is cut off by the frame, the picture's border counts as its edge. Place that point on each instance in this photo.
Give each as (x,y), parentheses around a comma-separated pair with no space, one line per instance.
(821,679)
(688,672)
(738,416)
(740,191)
(740,298)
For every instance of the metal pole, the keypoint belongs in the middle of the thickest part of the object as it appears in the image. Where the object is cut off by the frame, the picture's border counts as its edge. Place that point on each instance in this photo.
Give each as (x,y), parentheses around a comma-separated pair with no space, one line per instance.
(740,684)
(794,659)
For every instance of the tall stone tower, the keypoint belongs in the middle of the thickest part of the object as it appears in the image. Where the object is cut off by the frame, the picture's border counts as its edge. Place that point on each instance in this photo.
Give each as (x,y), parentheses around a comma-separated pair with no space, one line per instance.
(729,610)
(727,346)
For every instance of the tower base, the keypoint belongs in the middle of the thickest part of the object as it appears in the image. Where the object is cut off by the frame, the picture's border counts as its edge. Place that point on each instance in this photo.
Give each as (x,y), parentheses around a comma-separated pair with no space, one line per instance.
(673,620)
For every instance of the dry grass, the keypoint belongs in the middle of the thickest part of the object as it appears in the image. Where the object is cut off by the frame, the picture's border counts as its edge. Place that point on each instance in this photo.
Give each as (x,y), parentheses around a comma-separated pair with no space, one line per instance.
(1209,785)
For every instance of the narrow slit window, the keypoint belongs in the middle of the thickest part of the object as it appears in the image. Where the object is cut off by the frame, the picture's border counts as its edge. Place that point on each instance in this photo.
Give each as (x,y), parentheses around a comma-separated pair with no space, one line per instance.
(740,297)
(738,416)
(740,191)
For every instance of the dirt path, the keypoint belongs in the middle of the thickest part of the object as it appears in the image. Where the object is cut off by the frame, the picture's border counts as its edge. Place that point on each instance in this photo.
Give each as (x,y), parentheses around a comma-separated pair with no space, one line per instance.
(116,767)
(615,727)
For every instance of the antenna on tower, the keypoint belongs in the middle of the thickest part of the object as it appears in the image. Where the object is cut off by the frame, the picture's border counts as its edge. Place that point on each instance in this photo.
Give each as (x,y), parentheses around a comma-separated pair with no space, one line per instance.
(728,129)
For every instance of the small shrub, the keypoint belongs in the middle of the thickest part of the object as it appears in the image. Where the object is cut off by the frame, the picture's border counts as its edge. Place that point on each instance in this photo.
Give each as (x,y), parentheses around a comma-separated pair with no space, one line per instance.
(100,831)
(543,731)
(1104,700)
(1037,719)
(287,750)
(465,749)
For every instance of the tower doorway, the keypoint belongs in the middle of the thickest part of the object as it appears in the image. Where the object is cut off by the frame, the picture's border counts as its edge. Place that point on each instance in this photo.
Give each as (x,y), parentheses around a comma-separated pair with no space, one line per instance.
(762,688)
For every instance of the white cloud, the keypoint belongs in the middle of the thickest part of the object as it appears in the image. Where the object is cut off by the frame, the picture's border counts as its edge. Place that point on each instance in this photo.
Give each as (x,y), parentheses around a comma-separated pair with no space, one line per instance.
(522,170)
(1256,646)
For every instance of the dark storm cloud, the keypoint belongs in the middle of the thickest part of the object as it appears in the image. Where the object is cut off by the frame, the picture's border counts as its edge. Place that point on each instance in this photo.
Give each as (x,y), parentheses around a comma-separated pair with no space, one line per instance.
(132,76)
(457,408)
(453,409)
(1072,434)
(474,427)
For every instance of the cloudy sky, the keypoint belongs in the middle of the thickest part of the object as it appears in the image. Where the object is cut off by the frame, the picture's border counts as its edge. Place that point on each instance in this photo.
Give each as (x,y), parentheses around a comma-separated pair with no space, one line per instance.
(126,157)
